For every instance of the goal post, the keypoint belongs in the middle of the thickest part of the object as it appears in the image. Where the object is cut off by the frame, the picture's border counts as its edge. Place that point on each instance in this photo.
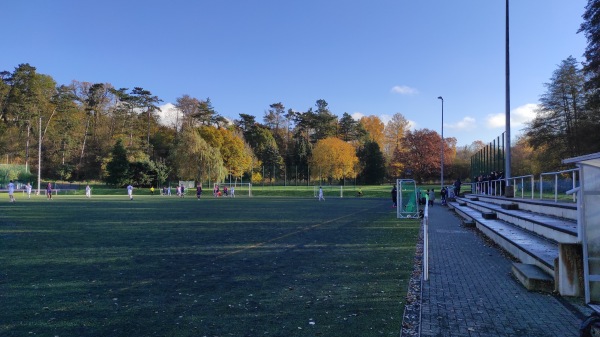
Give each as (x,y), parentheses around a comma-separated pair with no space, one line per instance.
(407,205)
(239,188)
(330,189)
(187,185)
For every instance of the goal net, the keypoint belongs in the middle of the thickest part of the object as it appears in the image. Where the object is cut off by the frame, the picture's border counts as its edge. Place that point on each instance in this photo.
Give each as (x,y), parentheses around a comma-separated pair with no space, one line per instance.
(234,189)
(407,205)
(329,190)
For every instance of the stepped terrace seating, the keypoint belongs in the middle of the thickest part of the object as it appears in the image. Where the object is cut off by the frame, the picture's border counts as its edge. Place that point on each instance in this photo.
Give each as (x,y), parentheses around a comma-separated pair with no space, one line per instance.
(541,235)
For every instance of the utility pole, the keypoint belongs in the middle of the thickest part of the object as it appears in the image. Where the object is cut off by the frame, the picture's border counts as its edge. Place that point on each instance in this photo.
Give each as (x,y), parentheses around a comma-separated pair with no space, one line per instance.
(442,151)
(39,178)
(507,174)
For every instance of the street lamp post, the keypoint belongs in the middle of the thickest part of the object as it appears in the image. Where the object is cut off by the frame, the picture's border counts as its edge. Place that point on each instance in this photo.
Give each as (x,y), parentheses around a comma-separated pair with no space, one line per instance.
(442,150)
(507,152)
(39,179)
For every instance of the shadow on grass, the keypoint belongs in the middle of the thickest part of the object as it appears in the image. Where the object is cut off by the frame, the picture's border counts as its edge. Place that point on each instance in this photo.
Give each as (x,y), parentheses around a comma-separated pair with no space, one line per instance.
(168,267)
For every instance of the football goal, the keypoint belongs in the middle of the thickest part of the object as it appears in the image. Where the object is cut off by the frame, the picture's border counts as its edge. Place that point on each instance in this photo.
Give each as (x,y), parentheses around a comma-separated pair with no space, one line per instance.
(328,190)
(407,206)
(237,188)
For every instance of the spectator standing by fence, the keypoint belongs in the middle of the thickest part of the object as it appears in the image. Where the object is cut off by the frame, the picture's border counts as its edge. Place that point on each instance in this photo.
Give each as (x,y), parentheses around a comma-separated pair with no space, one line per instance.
(88,191)
(457,184)
(431,197)
(443,195)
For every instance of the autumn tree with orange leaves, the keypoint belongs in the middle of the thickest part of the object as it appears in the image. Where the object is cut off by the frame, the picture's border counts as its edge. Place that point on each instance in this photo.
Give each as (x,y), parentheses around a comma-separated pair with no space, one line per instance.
(422,159)
(375,127)
(332,158)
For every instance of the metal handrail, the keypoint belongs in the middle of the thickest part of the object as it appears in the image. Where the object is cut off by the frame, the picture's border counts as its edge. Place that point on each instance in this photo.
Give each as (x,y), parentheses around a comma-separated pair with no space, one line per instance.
(531,177)
(426,242)
(556,174)
(494,187)
(490,187)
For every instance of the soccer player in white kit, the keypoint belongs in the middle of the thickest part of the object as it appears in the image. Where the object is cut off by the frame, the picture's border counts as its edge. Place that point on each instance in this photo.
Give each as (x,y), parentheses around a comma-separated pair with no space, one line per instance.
(28,190)
(11,191)
(321,197)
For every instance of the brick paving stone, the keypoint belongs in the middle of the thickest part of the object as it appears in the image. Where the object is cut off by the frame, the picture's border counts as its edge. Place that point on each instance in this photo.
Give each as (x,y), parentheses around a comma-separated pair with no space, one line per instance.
(471,292)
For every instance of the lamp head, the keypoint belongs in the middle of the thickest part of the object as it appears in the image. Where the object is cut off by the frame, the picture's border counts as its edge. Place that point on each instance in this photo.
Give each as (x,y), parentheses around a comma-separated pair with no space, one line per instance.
(440,97)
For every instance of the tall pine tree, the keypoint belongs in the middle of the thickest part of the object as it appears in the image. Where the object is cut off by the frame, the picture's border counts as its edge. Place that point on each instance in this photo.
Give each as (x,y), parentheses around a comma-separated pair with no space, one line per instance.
(118,167)
(591,29)
(591,68)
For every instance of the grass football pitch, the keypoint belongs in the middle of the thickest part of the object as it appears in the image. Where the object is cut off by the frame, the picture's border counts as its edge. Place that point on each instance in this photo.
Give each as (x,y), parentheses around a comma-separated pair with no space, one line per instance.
(165,266)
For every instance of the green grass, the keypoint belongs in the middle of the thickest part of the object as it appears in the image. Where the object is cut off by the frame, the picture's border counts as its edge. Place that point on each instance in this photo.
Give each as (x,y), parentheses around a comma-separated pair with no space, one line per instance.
(349,191)
(159,266)
(300,191)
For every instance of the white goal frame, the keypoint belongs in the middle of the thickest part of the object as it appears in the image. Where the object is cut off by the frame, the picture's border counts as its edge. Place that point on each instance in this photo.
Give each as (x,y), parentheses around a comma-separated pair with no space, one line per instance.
(327,188)
(235,185)
(407,205)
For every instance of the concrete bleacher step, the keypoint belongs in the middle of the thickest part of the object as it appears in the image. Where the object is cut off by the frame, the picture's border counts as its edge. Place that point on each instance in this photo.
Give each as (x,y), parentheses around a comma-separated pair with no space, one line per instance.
(562,230)
(533,278)
(524,245)
(564,210)
(542,236)
(510,207)
(489,215)
(469,223)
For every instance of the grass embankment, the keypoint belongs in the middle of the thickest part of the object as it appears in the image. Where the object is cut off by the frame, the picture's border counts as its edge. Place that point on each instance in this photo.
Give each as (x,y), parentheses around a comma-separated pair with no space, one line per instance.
(159,266)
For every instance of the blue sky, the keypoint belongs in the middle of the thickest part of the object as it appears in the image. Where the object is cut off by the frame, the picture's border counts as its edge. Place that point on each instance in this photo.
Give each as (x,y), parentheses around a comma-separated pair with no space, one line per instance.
(376,57)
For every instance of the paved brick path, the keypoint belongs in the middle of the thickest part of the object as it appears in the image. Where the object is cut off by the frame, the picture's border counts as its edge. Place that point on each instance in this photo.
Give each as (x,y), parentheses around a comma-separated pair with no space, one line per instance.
(471,291)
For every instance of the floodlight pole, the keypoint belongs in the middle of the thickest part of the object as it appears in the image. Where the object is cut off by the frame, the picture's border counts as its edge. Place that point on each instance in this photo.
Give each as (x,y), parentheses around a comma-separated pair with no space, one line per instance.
(507,162)
(442,150)
(39,157)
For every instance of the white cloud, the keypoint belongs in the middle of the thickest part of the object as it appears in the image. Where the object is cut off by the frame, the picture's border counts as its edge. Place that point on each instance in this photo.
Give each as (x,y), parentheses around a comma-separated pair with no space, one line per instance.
(467,123)
(412,125)
(404,90)
(385,118)
(523,114)
(357,116)
(495,121)
(168,114)
(518,117)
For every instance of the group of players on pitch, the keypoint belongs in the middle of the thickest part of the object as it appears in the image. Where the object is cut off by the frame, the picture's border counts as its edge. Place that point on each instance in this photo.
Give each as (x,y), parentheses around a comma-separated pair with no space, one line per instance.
(180,190)
(28,189)
(217,191)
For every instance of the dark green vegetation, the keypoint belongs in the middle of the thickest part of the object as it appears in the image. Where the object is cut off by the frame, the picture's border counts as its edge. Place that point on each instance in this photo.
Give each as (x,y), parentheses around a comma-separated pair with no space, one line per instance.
(160,266)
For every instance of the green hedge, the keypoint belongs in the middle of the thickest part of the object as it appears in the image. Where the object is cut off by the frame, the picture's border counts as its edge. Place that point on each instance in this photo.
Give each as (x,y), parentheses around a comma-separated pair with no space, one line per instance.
(14,172)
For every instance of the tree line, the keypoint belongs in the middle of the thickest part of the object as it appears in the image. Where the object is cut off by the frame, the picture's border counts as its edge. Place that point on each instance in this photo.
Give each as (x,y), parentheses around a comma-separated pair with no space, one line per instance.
(95,131)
